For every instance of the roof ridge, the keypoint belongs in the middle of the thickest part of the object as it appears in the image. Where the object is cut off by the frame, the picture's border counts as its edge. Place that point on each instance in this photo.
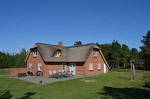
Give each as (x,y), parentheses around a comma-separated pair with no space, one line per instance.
(73,46)
(82,45)
(48,44)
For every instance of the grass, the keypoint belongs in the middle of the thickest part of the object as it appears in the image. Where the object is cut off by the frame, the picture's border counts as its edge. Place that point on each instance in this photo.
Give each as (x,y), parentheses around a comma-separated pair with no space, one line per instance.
(113,85)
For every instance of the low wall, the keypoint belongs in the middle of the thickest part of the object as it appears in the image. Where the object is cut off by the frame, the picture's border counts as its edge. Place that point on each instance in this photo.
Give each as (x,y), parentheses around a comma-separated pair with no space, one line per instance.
(13,72)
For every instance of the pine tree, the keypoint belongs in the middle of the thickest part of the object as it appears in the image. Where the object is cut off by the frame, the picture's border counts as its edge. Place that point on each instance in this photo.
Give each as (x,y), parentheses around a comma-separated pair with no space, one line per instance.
(125,55)
(77,43)
(116,50)
(145,49)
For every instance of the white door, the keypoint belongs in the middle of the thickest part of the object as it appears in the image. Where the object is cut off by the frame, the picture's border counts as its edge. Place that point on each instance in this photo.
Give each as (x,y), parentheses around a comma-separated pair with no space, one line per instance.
(72,68)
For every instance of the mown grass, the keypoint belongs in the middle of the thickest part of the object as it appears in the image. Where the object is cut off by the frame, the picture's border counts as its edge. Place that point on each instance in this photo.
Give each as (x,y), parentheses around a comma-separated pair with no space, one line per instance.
(4,72)
(113,85)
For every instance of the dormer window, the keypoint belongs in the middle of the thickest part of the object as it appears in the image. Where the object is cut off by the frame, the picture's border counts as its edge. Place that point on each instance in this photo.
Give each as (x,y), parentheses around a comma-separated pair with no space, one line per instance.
(95,52)
(35,53)
(57,53)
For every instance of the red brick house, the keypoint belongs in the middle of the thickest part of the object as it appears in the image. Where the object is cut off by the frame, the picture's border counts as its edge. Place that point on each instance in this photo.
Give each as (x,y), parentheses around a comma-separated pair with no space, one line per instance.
(80,60)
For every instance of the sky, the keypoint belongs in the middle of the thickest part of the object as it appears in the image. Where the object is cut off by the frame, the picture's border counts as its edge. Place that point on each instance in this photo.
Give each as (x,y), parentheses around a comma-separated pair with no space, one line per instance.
(25,22)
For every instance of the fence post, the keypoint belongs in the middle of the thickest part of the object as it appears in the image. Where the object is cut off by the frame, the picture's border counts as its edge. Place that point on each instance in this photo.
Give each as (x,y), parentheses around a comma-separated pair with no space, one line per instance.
(133,70)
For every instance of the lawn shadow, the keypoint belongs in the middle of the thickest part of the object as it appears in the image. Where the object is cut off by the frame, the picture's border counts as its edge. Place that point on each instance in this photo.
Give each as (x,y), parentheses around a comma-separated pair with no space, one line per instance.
(27,95)
(147,85)
(5,94)
(125,93)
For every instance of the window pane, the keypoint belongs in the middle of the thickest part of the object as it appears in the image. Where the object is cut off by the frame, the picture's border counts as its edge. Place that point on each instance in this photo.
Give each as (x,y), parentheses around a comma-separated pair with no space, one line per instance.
(30,65)
(90,66)
(99,66)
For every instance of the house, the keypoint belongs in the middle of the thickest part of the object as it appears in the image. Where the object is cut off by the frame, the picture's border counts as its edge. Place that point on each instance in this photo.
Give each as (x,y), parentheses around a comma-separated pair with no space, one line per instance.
(83,60)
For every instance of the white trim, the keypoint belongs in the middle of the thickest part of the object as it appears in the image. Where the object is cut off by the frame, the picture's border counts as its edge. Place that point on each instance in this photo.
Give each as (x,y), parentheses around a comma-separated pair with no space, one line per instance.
(34,53)
(105,68)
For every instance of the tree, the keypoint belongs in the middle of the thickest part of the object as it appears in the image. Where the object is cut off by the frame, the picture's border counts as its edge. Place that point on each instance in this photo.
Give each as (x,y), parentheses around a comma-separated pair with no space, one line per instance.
(119,55)
(8,60)
(112,53)
(106,49)
(20,58)
(134,54)
(125,55)
(77,43)
(145,49)
(116,49)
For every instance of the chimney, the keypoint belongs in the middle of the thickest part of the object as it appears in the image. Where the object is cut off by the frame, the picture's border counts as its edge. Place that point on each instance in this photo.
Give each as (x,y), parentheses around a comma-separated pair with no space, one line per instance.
(61,43)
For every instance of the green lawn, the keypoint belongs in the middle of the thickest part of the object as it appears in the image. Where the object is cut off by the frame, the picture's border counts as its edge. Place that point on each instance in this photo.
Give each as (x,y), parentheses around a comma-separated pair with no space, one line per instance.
(113,85)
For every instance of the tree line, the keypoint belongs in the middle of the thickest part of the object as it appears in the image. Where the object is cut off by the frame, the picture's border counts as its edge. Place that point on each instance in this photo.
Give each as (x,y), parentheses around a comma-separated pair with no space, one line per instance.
(8,60)
(117,55)
(121,56)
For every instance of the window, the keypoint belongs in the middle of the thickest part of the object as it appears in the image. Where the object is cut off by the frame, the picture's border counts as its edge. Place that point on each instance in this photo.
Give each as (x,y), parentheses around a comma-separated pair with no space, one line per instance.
(95,52)
(99,66)
(34,53)
(64,67)
(39,66)
(30,65)
(90,66)
(57,53)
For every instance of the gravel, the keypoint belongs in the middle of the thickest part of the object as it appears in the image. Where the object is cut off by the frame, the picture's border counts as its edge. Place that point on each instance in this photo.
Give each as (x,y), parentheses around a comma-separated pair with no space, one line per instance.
(43,80)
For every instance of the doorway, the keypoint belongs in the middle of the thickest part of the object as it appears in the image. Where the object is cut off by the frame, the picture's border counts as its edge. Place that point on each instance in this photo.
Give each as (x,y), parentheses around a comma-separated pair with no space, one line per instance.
(72,68)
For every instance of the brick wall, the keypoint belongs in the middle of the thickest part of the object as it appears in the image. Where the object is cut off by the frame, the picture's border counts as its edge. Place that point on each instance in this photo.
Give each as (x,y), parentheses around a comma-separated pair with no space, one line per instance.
(34,61)
(95,60)
(81,68)
(51,67)
(13,72)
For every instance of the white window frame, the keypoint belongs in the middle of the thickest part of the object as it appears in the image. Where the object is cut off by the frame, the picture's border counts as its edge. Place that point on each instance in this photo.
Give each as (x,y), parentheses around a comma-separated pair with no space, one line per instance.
(58,54)
(95,53)
(34,53)
(29,65)
(39,66)
(99,66)
(90,66)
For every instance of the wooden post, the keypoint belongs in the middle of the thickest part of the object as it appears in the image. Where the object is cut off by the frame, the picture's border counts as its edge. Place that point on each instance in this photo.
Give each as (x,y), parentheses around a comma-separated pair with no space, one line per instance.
(118,63)
(133,66)
(133,70)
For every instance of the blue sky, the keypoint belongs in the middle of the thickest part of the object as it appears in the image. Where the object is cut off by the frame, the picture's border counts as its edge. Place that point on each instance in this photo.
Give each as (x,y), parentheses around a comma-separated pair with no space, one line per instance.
(25,22)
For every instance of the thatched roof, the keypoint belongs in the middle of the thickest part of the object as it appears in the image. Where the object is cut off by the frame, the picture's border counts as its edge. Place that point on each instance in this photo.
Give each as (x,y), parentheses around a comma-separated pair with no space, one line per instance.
(69,54)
